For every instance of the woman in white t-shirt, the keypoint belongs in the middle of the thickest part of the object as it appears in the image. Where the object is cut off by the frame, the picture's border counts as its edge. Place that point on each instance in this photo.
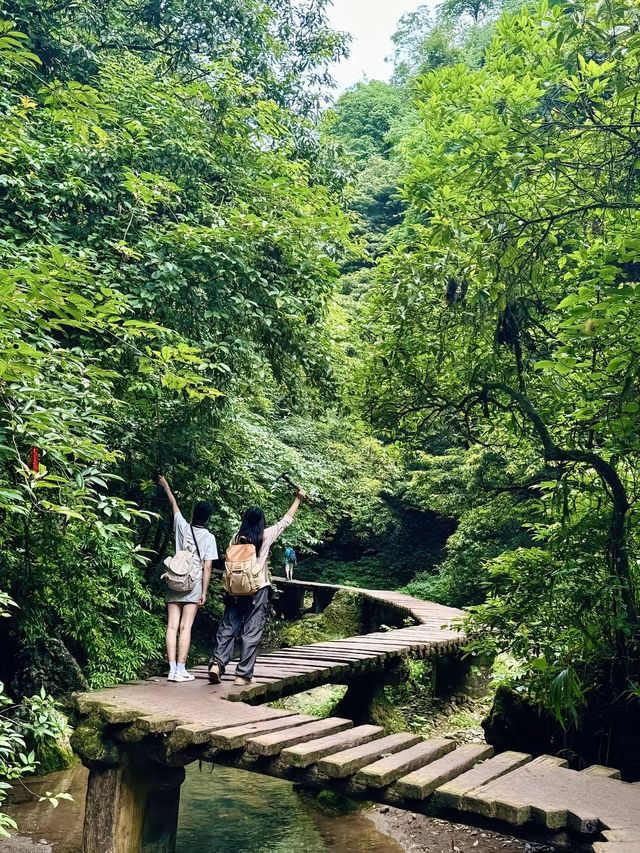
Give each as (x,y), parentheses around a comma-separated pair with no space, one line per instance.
(183,606)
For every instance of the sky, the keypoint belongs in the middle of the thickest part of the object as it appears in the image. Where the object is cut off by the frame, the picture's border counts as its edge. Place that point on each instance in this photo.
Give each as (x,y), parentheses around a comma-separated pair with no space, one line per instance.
(372,23)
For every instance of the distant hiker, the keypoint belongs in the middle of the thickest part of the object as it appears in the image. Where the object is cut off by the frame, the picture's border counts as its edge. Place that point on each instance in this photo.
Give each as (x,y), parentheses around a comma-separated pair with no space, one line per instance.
(247,583)
(290,562)
(187,578)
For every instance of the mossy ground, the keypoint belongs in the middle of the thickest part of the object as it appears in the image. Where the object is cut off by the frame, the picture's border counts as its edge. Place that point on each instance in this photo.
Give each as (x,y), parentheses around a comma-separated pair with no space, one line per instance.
(342,618)
(318,702)
(55,755)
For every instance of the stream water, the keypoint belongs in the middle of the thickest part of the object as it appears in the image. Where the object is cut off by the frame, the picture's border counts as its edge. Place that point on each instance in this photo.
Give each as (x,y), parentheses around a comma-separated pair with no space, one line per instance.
(221,811)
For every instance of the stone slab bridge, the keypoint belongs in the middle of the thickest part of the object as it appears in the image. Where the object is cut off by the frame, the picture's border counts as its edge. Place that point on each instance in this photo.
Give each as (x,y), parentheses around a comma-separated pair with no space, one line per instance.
(137,738)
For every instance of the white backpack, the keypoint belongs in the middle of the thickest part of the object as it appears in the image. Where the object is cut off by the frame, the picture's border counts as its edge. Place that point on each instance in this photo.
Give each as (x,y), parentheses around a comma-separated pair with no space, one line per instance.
(242,572)
(183,569)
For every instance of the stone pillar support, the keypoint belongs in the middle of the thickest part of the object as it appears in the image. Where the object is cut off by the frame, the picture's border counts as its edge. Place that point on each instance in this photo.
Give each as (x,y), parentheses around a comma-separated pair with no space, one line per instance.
(291,602)
(322,598)
(132,807)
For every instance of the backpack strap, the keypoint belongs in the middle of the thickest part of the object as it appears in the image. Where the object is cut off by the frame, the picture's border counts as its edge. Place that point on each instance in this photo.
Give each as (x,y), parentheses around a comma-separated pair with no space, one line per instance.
(195,542)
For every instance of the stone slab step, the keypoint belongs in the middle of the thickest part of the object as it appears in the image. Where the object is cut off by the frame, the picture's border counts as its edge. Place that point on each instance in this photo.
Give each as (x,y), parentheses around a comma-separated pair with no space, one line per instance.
(189,734)
(309,753)
(600,770)
(388,769)
(549,761)
(343,764)
(235,737)
(424,781)
(272,744)
(627,835)
(545,792)
(453,793)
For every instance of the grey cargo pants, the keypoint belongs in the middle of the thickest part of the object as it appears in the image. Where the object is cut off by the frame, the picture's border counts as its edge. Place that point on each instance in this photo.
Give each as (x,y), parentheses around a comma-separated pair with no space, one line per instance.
(244,618)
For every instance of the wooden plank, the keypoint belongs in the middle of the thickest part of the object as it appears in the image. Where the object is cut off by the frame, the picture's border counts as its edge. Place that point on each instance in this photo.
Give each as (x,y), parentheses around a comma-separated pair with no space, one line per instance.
(411,643)
(235,737)
(311,658)
(387,770)
(288,673)
(424,781)
(343,764)
(453,793)
(360,645)
(600,770)
(291,662)
(271,744)
(322,669)
(348,652)
(305,754)
(345,661)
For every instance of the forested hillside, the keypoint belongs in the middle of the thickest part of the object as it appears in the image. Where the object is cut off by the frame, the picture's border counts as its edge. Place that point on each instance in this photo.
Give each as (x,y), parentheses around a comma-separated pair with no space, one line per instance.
(498,318)
(421,302)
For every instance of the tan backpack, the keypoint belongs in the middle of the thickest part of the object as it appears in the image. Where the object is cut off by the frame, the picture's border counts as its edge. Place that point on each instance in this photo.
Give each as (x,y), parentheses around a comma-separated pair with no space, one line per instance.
(242,572)
(184,567)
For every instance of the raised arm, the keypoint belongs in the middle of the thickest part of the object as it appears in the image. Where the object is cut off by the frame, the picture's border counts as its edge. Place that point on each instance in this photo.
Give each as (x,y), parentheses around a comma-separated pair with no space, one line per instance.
(170,496)
(295,506)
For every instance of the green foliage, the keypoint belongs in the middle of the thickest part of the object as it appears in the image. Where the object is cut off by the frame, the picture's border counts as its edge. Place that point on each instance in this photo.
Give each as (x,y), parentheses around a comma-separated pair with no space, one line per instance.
(168,258)
(364,116)
(340,619)
(505,319)
(24,730)
(317,702)
(285,45)
(474,487)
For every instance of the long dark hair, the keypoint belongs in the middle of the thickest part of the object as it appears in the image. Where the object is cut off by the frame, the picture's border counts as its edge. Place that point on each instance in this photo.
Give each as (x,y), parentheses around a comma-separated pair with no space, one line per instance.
(252,527)
(201,513)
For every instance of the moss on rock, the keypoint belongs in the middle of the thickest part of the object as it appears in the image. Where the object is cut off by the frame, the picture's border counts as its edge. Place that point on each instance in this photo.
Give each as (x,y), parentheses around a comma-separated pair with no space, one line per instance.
(384,713)
(90,743)
(336,803)
(53,755)
(342,618)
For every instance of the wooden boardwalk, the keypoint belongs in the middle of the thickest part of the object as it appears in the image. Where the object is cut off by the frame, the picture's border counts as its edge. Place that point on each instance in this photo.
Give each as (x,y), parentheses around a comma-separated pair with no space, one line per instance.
(174,724)
(297,668)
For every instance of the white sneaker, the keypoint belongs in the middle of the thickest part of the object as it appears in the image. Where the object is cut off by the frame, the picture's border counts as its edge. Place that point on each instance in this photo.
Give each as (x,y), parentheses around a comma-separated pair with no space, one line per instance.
(172,676)
(184,676)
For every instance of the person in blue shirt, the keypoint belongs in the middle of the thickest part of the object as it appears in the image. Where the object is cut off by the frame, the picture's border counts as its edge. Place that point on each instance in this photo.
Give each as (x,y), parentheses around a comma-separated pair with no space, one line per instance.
(290,562)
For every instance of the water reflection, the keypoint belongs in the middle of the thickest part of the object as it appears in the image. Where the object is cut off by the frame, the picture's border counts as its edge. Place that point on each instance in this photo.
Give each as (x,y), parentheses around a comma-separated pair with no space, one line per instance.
(231,811)
(221,811)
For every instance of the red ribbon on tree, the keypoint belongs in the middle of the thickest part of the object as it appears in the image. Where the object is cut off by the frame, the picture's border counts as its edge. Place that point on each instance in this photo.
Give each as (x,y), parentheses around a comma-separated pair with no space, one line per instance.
(34,459)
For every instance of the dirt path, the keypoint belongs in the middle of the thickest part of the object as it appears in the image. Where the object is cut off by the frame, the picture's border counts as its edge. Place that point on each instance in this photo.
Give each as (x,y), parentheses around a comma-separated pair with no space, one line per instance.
(418,834)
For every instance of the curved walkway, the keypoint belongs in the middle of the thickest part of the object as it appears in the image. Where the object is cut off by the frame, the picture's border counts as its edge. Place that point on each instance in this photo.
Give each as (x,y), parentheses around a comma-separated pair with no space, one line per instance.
(297,668)
(175,724)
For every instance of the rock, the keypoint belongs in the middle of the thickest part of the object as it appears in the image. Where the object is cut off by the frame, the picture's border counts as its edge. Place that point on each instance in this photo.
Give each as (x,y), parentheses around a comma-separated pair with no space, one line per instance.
(336,803)
(515,723)
(18,844)
(383,809)
(47,663)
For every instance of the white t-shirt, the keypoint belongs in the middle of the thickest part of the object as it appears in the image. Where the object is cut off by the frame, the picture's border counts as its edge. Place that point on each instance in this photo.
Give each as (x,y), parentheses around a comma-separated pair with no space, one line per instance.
(205,539)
